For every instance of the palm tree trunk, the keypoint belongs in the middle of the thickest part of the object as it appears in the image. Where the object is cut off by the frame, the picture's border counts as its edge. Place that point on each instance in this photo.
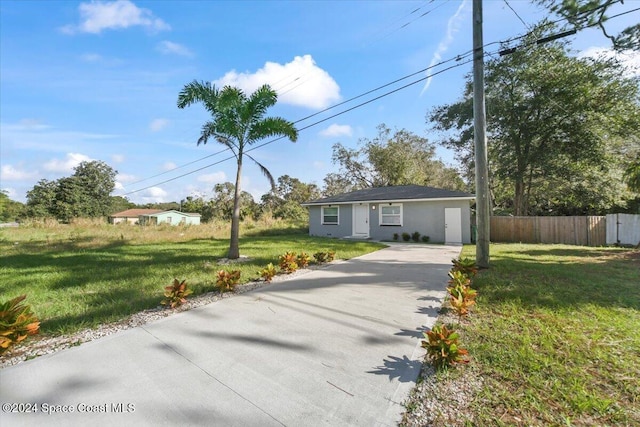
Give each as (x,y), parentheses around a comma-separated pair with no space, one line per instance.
(234,242)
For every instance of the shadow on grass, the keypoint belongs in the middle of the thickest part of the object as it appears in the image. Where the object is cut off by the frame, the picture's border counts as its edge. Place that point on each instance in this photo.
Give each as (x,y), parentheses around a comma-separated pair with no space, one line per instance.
(69,286)
(103,306)
(561,278)
(301,230)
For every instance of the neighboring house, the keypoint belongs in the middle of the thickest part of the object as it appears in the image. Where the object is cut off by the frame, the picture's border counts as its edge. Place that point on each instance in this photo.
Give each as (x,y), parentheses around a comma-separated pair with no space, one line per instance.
(132,216)
(154,216)
(379,213)
(170,217)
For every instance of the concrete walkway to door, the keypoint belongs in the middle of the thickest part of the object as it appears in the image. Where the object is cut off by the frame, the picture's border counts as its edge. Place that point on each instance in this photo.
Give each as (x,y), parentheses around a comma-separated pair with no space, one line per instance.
(337,346)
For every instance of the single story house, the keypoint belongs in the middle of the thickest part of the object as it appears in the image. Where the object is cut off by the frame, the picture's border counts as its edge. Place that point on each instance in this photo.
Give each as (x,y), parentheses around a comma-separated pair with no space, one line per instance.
(154,217)
(379,213)
(131,216)
(172,217)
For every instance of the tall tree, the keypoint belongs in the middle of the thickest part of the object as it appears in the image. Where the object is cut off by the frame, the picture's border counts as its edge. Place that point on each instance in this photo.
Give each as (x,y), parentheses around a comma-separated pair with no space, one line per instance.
(86,193)
(10,210)
(335,184)
(552,120)
(41,199)
(284,200)
(223,202)
(97,180)
(400,158)
(237,121)
(594,13)
(120,203)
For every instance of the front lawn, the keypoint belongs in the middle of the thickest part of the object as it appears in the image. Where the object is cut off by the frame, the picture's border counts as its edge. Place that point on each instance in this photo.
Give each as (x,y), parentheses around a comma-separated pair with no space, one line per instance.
(554,339)
(77,277)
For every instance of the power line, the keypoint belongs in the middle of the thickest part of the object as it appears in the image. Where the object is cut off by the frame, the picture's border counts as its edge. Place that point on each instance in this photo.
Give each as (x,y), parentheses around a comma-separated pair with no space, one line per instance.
(457,58)
(398,20)
(307,127)
(516,13)
(556,36)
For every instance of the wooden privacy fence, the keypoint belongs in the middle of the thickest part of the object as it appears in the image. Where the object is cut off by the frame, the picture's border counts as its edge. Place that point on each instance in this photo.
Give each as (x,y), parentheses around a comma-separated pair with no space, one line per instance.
(569,230)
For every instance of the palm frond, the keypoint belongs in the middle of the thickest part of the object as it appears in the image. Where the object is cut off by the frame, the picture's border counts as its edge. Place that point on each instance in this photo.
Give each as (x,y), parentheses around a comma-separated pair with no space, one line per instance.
(270,127)
(207,131)
(201,91)
(230,98)
(258,103)
(211,130)
(265,172)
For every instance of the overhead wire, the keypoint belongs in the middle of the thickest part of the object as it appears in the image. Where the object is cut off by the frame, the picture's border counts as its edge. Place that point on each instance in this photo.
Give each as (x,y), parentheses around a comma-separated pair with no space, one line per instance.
(308,126)
(457,58)
(396,21)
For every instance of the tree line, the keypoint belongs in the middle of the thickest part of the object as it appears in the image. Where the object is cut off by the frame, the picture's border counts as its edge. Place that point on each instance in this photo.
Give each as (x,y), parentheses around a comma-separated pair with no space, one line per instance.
(562,140)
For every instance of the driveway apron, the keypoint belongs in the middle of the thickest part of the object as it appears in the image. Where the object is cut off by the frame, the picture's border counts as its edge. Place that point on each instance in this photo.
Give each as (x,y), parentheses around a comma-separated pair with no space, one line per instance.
(336,346)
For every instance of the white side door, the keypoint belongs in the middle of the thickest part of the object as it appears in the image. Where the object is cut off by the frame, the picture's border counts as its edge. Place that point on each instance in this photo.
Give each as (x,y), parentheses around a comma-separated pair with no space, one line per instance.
(453,226)
(361,220)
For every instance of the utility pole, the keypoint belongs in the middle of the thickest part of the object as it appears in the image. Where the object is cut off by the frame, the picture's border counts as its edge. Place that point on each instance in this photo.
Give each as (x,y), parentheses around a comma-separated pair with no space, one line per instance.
(480,140)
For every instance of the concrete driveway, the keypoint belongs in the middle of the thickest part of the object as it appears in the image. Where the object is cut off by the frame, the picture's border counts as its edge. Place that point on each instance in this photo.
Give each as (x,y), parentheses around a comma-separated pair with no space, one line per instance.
(337,346)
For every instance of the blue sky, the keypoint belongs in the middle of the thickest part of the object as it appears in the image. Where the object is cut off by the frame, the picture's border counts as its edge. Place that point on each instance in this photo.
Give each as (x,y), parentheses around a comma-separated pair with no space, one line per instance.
(99,80)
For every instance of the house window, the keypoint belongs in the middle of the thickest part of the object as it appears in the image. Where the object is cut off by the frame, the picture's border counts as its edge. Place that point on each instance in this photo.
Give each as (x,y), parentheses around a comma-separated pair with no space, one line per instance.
(391,214)
(330,215)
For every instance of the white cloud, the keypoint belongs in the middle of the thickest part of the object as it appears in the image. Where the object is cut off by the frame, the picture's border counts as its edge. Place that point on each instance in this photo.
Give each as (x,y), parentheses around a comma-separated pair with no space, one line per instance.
(10,173)
(213,178)
(91,57)
(629,59)
(157,125)
(102,15)
(123,177)
(154,194)
(337,130)
(96,58)
(318,165)
(453,26)
(170,48)
(31,124)
(66,165)
(299,82)
(11,192)
(30,134)
(167,166)
(117,158)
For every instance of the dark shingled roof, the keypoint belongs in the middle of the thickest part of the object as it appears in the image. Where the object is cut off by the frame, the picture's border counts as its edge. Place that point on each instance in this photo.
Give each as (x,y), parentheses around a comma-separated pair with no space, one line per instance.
(400,192)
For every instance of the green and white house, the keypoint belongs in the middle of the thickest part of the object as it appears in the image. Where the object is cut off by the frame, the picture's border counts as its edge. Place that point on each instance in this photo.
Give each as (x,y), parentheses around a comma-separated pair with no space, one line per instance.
(172,217)
(154,217)
(379,213)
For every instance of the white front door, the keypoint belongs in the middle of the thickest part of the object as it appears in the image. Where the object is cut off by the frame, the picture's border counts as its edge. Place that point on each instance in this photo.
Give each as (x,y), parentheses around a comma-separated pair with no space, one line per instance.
(453,226)
(361,220)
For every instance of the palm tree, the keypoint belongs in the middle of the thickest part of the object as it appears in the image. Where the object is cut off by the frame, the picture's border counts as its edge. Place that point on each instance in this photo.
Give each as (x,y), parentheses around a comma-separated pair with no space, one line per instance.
(237,121)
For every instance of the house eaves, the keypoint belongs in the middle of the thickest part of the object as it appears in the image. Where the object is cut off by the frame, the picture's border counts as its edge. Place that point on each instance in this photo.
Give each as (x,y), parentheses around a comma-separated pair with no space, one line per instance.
(350,202)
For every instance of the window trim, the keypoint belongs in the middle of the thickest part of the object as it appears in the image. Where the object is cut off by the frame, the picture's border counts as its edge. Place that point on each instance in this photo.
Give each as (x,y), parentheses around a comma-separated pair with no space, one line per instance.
(337,215)
(380,216)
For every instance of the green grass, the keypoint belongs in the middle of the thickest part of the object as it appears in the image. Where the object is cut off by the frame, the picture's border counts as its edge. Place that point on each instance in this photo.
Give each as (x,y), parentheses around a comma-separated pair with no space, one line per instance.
(82,276)
(556,336)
